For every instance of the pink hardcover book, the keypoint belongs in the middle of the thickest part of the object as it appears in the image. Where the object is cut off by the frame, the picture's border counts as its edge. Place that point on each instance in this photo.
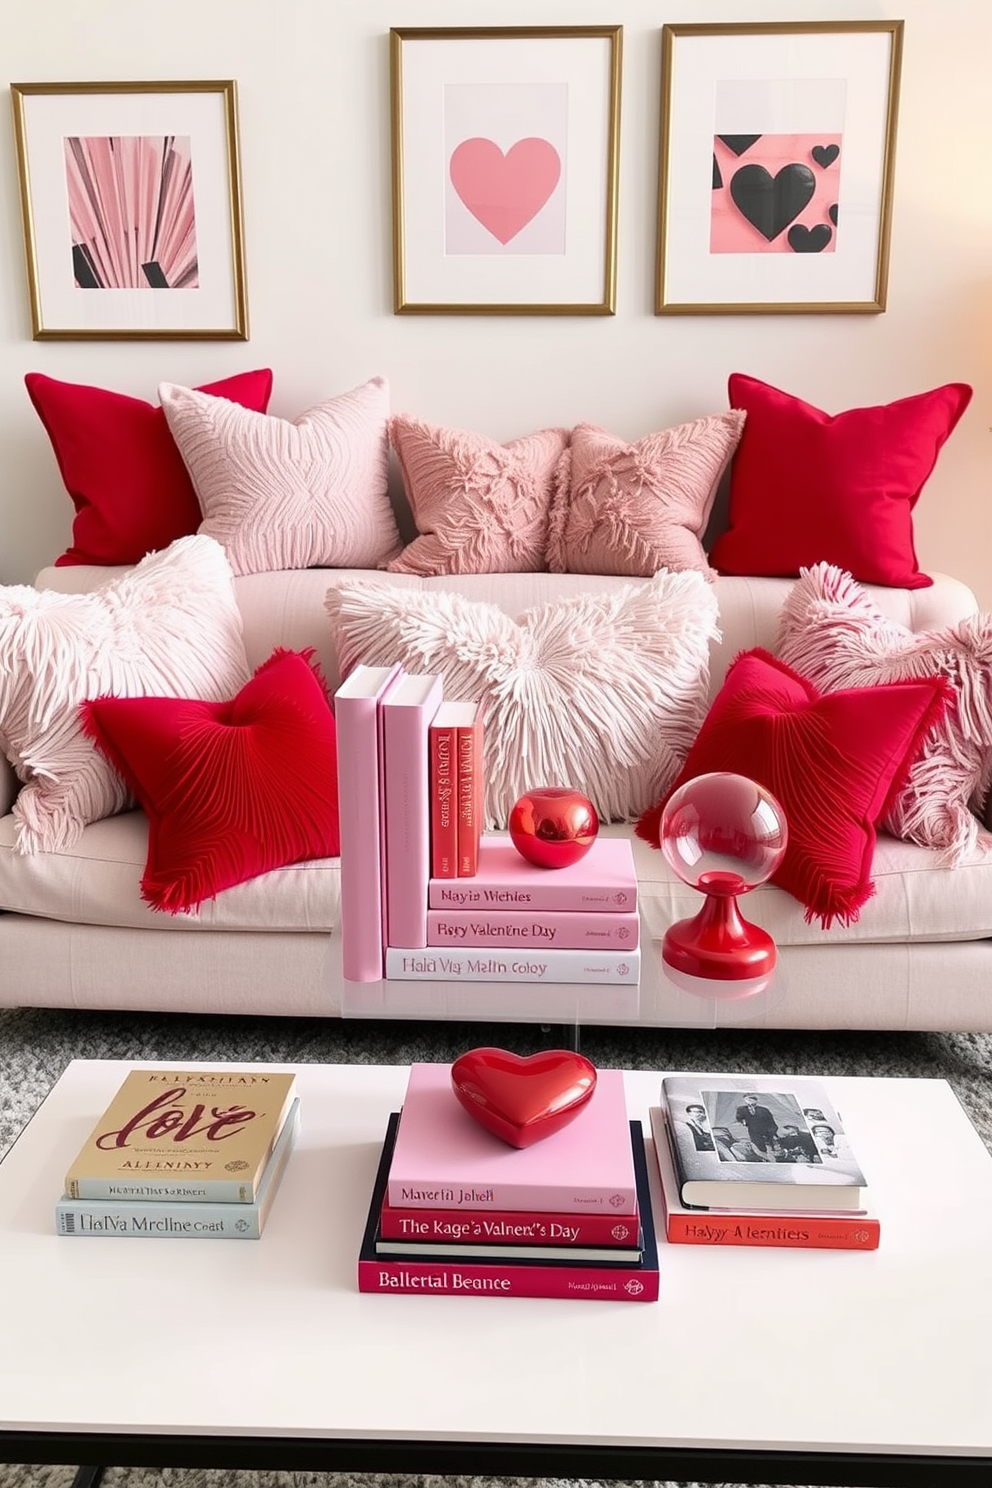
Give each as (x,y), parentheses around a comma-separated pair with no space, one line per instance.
(406,718)
(443,1159)
(603,880)
(356,708)
(566,929)
(625,1281)
(444,790)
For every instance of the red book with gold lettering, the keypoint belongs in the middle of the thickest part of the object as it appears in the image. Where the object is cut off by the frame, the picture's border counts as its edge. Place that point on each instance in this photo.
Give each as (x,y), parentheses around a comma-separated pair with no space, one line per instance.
(184,1135)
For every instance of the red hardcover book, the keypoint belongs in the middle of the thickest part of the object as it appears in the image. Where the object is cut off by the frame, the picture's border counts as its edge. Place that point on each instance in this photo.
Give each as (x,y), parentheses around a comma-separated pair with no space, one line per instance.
(517,1226)
(445,1160)
(407,714)
(471,782)
(357,704)
(570,930)
(465,1277)
(604,879)
(740,1226)
(444,787)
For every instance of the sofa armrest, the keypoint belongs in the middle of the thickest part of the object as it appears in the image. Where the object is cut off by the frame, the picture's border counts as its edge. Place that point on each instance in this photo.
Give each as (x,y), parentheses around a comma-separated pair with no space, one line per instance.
(9,785)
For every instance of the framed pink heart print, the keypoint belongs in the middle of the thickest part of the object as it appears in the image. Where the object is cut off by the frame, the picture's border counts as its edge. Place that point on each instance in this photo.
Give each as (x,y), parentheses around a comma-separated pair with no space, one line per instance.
(505,148)
(776,167)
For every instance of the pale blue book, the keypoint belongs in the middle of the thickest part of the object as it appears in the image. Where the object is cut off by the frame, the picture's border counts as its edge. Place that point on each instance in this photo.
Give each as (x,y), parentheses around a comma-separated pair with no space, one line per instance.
(190,1220)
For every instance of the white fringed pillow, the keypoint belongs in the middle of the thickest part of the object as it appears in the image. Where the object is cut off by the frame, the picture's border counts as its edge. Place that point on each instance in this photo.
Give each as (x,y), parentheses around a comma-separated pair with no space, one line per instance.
(832,632)
(169,627)
(604,692)
(308,492)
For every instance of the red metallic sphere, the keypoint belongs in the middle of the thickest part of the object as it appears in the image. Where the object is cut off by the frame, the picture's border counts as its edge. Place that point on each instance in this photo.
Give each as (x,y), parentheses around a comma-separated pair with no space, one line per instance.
(553,826)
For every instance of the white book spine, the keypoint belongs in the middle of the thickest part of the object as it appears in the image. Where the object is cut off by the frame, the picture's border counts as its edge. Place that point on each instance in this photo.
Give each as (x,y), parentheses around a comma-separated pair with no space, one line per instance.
(607,967)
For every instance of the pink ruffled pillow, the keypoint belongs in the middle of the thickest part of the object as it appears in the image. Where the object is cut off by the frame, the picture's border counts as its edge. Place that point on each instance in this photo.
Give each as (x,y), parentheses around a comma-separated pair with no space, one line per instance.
(834,633)
(479,506)
(308,492)
(634,508)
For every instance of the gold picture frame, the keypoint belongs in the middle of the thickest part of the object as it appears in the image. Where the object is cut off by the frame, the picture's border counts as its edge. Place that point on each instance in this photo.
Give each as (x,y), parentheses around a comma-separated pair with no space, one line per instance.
(776,167)
(501,137)
(131,202)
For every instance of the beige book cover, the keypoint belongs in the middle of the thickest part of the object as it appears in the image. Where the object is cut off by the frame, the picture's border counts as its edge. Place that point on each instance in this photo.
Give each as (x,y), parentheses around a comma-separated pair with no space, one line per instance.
(184,1135)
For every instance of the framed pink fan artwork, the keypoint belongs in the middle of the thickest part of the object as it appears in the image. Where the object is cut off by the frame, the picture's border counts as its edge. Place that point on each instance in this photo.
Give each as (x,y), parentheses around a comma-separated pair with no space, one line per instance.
(131,200)
(777,155)
(504,145)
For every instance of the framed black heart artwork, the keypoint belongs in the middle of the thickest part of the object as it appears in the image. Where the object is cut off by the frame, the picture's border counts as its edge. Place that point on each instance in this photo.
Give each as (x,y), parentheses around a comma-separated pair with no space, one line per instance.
(777,164)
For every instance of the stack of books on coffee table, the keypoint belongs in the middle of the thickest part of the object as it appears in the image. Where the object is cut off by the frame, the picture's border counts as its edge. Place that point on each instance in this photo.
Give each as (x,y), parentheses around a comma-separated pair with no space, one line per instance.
(760,1160)
(456,1211)
(184,1154)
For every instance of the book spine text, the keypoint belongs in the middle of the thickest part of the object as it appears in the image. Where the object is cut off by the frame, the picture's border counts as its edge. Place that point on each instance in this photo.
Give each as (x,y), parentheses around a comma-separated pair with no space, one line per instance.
(583,966)
(444,803)
(510,1226)
(564,930)
(612,1284)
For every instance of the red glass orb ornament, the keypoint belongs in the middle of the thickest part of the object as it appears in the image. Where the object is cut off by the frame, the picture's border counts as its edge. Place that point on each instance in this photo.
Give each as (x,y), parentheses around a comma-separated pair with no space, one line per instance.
(523,1099)
(724,835)
(553,826)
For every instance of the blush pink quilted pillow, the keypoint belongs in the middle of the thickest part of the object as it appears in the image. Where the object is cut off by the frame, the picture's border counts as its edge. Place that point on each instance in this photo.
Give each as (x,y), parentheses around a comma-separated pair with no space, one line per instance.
(832,631)
(479,506)
(634,508)
(308,492)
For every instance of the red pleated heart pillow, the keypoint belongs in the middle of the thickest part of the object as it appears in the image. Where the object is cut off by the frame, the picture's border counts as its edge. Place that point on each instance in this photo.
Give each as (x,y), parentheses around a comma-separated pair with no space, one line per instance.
(231,789)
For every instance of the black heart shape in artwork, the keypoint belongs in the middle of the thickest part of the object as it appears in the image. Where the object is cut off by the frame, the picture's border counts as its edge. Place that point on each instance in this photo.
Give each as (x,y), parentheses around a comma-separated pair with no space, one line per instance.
(825,154)
(770,202)
(809,239)
(832,214)
(739,142)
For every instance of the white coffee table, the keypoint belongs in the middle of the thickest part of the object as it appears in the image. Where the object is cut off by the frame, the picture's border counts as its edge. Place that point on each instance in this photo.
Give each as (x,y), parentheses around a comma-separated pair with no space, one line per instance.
(757,1365)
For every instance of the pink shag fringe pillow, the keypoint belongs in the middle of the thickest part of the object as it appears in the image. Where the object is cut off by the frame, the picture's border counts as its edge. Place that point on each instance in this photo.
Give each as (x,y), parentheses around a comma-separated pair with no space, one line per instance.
(834,633)
(604,692)
(635,508)
(479,506)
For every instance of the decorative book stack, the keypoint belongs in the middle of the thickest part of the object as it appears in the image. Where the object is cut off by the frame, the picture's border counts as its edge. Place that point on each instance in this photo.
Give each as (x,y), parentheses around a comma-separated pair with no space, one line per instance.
(456,1211)
(758,1160)
(514,922)
(425,894)
(189,1154)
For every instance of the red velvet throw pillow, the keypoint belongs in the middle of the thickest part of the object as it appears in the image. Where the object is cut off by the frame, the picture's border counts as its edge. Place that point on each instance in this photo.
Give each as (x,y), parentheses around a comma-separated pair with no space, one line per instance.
(810,487)
(231,789)
(832,760)
(120,465)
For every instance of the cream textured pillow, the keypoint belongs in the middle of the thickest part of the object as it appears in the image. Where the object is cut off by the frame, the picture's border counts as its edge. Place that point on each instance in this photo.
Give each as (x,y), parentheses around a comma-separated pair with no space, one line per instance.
(278,493)
(604,692)
(479,506)
(831,631)
(634,508)
(168,627)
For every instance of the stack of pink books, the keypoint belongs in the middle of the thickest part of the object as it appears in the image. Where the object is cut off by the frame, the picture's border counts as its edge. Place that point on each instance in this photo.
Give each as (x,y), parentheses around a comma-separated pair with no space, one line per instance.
(490,916)
(514,922)
(458,1212)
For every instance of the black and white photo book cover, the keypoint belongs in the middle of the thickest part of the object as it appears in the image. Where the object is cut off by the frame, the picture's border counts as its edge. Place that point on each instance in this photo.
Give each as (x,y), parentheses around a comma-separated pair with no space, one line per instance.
(779,1140)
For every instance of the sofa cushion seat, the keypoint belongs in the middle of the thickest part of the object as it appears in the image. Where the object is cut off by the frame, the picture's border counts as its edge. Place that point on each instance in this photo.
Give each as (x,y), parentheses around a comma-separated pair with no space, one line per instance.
(97,881)
(917,898)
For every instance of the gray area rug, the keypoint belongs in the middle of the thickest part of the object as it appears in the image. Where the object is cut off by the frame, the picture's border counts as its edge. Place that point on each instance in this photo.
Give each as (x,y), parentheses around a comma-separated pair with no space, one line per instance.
(37,1044)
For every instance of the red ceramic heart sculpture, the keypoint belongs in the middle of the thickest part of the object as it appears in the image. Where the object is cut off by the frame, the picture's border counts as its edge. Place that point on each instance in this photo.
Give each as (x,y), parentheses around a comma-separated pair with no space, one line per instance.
(522,1099)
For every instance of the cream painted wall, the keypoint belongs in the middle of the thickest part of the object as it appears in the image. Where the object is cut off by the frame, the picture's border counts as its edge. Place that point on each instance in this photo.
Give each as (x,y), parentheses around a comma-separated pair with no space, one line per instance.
(313,84)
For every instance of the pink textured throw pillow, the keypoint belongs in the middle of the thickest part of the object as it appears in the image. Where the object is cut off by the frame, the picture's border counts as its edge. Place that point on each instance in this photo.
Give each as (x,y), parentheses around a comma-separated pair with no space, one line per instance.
(169,626)
(834,633)
(479,506)
(308,492)
(634,508)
